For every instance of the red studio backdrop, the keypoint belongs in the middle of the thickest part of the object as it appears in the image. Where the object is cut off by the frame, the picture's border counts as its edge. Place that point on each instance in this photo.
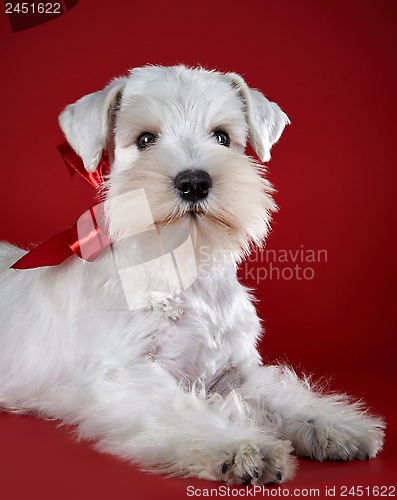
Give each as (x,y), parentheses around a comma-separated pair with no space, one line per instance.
(326,283)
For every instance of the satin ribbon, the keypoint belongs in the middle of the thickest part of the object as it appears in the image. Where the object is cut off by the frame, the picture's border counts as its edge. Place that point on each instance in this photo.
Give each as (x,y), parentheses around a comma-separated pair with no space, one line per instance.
(75,164)
(87,238)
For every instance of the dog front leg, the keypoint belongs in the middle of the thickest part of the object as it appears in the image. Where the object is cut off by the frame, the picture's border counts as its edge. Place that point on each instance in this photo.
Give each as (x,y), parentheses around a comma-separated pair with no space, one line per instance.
(142,415)
(320,426)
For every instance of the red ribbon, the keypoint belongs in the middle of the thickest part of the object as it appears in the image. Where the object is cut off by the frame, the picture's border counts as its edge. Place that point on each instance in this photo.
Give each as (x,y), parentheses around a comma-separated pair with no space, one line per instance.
(75,164)
(87,238)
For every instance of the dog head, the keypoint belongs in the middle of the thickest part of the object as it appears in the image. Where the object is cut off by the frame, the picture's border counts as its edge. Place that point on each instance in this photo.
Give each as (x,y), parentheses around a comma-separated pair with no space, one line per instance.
(177,137)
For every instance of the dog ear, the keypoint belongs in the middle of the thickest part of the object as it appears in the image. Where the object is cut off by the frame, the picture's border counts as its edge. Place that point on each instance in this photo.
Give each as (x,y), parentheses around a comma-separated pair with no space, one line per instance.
(266,121)
(86,123)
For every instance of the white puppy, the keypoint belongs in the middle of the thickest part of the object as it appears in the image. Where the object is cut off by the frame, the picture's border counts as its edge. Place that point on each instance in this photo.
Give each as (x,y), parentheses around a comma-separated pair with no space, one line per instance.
(151,349)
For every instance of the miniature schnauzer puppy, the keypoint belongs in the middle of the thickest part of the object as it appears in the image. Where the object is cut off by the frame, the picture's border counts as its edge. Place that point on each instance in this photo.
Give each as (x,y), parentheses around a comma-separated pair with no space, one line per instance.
(150,350)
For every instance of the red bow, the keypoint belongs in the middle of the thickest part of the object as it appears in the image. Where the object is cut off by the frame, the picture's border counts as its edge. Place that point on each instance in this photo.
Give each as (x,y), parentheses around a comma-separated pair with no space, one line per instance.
(87,237)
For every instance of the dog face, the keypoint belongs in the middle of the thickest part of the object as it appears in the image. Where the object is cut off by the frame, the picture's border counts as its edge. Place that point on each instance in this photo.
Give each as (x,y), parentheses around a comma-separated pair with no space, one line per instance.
(177,136)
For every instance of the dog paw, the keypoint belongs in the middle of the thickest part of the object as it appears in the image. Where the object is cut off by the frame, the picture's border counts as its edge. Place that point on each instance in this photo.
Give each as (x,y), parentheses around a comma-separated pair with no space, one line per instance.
(253,464)
(358,438)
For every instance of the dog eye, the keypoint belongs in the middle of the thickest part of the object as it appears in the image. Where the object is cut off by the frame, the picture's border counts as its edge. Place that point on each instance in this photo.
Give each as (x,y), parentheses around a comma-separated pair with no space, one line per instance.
(146,139)
(222,138)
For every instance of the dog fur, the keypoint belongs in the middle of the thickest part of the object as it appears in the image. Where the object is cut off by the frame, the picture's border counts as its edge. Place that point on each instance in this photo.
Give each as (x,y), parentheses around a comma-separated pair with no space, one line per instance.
(173,382)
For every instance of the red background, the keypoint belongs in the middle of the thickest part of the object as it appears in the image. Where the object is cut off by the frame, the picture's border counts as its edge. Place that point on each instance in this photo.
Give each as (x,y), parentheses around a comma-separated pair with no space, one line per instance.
(332,68)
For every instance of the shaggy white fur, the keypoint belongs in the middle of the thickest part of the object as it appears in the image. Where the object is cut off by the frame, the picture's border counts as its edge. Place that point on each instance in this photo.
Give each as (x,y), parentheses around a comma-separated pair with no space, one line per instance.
(150,350)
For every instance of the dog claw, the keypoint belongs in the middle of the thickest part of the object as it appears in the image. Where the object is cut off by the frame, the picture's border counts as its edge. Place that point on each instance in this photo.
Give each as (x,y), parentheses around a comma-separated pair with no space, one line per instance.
(367,456)
(279,477)
(224,468)
(246,478)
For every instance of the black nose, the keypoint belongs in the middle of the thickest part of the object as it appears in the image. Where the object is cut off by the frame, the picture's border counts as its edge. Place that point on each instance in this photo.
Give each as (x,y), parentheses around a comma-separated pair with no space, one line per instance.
(193,185)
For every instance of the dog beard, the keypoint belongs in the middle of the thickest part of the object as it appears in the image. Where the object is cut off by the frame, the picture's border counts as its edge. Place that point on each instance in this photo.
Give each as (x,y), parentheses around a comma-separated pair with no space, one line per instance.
(235,215)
